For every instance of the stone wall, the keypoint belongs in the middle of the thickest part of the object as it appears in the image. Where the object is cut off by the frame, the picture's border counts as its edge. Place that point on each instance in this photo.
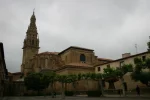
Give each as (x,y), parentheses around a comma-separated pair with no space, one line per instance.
(14,88)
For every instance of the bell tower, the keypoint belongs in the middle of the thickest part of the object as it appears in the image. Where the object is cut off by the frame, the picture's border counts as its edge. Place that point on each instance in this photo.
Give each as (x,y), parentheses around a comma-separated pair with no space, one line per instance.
(31,41)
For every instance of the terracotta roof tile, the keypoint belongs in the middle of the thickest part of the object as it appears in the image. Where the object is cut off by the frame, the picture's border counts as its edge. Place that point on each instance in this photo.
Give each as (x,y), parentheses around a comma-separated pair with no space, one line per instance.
(76,47)
(76,67)
(80,64)
(9,73)
(81,48)
(16,73)
(55,53)
(124,58)
(105,59)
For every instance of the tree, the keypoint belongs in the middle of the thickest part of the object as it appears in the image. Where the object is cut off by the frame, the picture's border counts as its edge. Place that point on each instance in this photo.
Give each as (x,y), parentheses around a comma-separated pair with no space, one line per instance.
(51,79)
(92,76)
(143,77)
(97,77)
(86,77)
(139,74)
(36,81)
(62,79)
(147,63)
(72,78)
(121,72)
(112,75)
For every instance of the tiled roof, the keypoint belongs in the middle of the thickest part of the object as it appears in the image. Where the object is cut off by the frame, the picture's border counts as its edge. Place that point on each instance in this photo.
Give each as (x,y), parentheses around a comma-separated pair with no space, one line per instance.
(55,53)
(81,48)
(75,48)
(125,58)
(75,67)
(104,59)
(79,64)
(47,69)
(16,73)
(9,74)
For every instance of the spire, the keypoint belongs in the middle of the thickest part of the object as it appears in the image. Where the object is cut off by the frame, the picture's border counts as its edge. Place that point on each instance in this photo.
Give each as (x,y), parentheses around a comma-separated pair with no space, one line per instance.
(32,27)
(33,16)
(31,39)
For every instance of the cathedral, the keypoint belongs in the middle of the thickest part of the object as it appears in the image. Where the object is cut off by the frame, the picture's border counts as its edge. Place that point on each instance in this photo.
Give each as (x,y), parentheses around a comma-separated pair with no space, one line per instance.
(72,60)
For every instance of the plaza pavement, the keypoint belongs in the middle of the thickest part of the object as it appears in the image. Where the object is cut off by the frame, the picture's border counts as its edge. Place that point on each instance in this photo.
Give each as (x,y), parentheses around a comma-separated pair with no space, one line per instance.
(107,97)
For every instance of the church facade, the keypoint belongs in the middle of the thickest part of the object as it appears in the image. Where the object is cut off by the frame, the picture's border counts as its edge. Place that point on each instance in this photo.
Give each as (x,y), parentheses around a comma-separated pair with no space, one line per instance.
(72,60)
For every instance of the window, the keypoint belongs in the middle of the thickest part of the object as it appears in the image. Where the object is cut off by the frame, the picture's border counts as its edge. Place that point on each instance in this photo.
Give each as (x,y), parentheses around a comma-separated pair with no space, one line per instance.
(108,66)
(121,63)
(143,58)
(98,68)
(82,58)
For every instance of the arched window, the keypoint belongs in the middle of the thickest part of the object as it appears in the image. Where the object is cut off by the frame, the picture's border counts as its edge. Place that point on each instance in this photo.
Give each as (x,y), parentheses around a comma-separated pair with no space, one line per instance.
(82,58)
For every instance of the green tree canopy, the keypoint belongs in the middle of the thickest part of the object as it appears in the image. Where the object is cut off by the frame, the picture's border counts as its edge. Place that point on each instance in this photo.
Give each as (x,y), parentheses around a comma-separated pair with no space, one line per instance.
(51,76)
(36,81)
(138,73)
(51,79)
(112,75)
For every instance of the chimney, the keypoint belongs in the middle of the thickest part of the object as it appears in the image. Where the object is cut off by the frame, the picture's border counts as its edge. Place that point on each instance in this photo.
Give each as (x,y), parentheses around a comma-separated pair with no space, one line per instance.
(126,55)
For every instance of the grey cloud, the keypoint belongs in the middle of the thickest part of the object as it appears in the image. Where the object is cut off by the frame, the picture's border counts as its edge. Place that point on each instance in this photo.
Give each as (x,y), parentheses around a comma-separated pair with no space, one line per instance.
(110,27)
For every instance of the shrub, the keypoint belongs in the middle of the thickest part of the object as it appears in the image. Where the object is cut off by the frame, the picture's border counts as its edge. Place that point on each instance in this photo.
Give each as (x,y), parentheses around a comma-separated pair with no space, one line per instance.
(69,93)
(94,93)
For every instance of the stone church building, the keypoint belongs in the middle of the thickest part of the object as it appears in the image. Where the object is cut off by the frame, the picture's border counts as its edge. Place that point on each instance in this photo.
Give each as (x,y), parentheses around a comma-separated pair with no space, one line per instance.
(72,60)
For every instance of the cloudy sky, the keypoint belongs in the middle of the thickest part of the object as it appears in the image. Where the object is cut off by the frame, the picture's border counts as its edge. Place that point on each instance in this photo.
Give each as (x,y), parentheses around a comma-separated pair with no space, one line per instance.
(110,27)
